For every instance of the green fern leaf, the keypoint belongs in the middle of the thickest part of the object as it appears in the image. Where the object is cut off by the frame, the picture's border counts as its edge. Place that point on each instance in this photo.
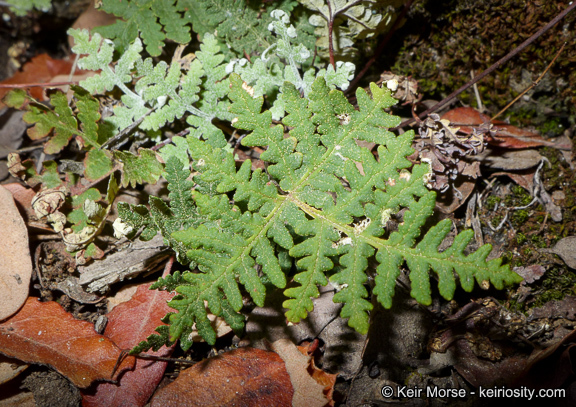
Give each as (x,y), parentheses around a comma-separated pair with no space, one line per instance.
(328,194)
(180,214)
(155,20)
(21,7)
(162,92)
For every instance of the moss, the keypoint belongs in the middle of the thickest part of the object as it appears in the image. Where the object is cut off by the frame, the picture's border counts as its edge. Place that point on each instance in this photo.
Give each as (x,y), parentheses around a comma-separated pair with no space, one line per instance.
(492,200)
(452,38)
(496,221)
(522,196)
(551,127)
(520,216)
(556,284)
(539,241)
(520,238)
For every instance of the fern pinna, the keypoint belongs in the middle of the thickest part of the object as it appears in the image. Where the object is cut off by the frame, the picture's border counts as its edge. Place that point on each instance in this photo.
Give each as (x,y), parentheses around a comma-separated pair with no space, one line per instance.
(321,205)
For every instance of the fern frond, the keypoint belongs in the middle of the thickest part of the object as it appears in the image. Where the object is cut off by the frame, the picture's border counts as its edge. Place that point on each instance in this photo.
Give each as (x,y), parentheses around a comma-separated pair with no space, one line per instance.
(180,213)
(154,20)
(282,62)
(322,199)
(162,92)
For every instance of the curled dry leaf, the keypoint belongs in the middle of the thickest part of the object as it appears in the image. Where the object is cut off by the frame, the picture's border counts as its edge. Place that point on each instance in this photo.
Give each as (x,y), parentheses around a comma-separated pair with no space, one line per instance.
(242,377)
(43,332)
(128,324)
(15,261)
(530,273)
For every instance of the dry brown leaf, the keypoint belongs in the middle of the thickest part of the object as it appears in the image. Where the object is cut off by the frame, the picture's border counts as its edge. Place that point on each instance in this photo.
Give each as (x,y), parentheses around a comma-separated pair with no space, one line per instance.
(23,399)
(530,273)
(15,261)
(566,249)
(523,178)
(307,391)
(10,368)
(510,160)
(43,332)
(327,380)
(245,377)
(451,200)
(123,295)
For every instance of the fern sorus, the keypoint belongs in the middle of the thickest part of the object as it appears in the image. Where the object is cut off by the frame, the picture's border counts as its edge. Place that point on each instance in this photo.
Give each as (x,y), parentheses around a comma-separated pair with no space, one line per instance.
(320,208)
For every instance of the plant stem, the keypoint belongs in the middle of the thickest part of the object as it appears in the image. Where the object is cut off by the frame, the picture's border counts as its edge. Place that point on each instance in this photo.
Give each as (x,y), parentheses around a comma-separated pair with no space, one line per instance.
(330,29)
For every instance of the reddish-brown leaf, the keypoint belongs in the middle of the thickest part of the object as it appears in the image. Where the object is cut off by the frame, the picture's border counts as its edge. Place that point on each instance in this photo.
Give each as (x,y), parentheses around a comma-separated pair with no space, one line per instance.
(40,69)
(243,377)
(43,332)
(461,116)
(129,323)
(509,136)
(504,135)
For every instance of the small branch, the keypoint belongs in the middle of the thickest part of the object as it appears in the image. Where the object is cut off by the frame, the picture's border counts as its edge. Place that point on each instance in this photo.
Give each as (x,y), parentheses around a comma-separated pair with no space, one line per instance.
(36,85)
(126,130)
(169,140)
(495,66)
(163,359)
(535,83)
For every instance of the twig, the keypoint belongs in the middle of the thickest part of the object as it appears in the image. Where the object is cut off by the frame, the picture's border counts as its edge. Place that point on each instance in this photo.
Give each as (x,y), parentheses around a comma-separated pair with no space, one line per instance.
(36,85)
(495,66)
(126,130)
(500,225)
(535,83)
(72,71)
(163,359)
(169,140)
(477,94)
(168,267)
(537,232)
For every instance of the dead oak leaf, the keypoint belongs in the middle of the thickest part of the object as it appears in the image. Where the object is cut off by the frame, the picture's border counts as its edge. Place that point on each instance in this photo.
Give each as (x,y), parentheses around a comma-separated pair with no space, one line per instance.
(246,377)
(43,332)
(129,323)
(497,133)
